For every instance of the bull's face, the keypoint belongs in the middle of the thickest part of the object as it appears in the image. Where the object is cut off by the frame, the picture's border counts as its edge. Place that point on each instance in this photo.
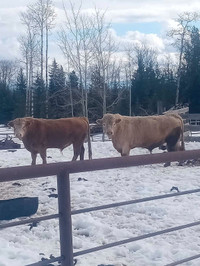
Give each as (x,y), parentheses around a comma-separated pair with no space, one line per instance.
(108,122)
(19,126)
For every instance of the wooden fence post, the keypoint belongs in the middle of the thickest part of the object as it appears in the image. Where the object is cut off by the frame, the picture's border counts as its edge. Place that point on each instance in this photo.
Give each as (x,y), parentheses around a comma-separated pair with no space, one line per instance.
(65,223)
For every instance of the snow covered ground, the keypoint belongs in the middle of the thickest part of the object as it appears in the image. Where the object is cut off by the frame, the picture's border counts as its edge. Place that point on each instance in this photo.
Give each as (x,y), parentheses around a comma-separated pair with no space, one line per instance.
(21,246)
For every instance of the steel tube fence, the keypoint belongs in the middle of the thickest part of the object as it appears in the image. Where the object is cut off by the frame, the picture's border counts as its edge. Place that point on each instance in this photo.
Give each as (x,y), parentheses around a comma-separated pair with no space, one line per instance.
(184,260)
(26,172)
(46,262)
(113,205)
(62,170)
(32,220)
(65,222)
(133,239)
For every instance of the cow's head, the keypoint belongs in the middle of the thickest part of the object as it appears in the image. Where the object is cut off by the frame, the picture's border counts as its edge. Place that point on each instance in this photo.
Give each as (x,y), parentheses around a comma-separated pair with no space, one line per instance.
(109,122)
(19,125)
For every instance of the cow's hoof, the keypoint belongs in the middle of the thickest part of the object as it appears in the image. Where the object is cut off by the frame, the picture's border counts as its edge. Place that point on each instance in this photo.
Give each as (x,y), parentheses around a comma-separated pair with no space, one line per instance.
(181,163)
(167,164)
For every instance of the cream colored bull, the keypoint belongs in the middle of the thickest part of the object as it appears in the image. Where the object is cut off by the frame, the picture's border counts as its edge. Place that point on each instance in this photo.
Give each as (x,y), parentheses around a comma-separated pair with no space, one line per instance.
(147,132)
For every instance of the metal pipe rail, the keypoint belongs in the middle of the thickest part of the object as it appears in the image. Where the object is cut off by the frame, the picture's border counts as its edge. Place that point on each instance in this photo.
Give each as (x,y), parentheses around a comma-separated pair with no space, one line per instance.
(184,260)
(124,203)
(37,219)
(98,208)
(133,239)
(62,170)
(27,172)
(31,220)
(46,262)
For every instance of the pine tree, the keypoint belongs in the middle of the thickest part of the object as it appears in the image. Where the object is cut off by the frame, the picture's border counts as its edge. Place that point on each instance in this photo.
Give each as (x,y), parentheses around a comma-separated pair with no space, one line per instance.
(57,91)
(6,103)
(148,85)
(191,86)
(167,89)
(39,97)
(20,95)
(95,95)
(74,94)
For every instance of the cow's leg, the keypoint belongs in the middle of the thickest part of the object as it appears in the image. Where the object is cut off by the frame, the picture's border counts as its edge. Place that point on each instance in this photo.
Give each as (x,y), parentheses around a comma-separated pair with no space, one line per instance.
(172,141)
(82,152)
(125,151)
(169,149)
(33,156)
(77,151)
(43,155)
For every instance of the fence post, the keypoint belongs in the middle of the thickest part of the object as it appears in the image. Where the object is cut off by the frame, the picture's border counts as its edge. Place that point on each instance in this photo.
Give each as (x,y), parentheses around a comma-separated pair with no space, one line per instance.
(65,223)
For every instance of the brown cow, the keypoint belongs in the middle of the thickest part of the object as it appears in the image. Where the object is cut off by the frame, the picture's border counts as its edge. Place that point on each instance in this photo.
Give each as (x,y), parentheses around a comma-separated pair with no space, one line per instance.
(147,132)
(40,134)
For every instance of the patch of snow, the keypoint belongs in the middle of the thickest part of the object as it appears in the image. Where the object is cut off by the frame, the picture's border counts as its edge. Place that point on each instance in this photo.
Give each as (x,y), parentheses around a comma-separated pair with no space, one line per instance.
(20,245)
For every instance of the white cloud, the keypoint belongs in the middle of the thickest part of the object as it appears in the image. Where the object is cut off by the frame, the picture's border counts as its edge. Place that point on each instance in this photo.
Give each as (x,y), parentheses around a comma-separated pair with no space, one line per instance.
(136,37)
(117,11)
(10,28)
(152,40)
(162,46)
(142,11)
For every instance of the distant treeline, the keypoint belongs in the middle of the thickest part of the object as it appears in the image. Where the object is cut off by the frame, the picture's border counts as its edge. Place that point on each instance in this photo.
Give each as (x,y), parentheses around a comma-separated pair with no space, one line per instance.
(96,81)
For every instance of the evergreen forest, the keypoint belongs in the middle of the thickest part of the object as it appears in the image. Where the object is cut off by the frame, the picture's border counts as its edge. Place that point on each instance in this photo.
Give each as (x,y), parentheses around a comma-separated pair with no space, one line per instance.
(95,79)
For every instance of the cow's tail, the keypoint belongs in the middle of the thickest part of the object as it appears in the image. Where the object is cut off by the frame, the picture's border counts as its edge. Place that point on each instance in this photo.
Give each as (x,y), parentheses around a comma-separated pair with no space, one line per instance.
(89,143)
(182,146)
(89,140)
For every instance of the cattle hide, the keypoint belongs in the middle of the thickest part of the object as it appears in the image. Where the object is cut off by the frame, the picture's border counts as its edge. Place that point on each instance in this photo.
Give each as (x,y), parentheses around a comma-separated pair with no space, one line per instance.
(38,135)
(147,132)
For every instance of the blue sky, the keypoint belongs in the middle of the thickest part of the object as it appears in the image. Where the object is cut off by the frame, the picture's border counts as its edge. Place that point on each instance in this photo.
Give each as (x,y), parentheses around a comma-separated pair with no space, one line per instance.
(145,27)
(132,21)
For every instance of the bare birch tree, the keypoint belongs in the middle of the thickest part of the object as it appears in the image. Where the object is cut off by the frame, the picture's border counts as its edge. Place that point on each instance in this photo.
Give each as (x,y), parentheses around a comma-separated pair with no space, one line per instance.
(70,90)
(49,24)
(129,69)
(8,70)
(75,41)
(43,16)
(38,15)
(29,48)
(104,47)
(114,80)
(180,34)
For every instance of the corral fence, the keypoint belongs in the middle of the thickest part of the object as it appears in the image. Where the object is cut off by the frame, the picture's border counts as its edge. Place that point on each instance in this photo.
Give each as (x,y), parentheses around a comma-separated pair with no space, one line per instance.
(63,171)
(191,123)
(192,126)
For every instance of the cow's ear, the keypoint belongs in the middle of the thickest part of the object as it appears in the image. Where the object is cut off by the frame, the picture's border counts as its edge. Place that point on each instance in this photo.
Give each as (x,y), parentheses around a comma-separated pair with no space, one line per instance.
(10,124)
(117,120)
(99,121)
